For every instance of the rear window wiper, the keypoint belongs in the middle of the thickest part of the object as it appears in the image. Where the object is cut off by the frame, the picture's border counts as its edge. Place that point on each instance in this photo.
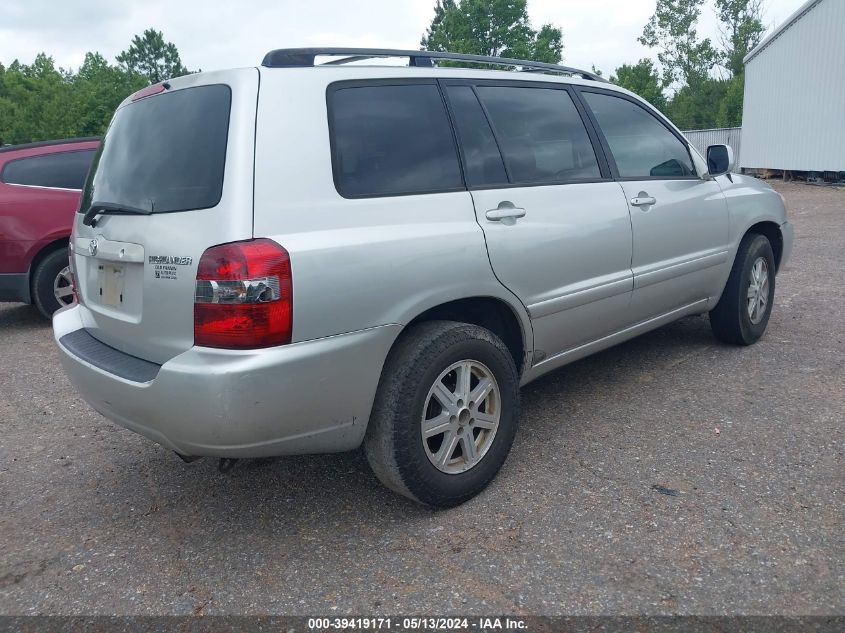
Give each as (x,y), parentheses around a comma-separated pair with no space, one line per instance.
(111,208)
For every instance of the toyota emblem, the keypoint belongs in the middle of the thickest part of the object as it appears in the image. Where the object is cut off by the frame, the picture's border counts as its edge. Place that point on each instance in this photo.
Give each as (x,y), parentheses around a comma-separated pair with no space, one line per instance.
(92,247)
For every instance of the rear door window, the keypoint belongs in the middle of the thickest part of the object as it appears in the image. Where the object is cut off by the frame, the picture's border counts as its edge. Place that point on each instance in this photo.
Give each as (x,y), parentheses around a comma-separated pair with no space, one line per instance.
(392,140)
(164,153)
(483,164)
(64,170)
(541,134)
(641,145)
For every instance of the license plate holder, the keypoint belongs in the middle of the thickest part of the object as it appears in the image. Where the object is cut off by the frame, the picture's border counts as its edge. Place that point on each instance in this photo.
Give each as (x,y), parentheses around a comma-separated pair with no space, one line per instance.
(110,278)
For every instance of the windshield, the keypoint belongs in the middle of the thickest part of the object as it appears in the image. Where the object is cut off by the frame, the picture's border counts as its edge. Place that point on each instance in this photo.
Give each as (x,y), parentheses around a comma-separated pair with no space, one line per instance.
(164,153)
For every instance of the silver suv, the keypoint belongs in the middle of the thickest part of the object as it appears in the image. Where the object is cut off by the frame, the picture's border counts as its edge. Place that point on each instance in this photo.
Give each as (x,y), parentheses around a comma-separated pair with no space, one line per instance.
(306,257)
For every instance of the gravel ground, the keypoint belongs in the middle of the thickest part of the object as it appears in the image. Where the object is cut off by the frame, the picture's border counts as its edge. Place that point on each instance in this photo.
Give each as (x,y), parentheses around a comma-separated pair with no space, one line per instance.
(97,520)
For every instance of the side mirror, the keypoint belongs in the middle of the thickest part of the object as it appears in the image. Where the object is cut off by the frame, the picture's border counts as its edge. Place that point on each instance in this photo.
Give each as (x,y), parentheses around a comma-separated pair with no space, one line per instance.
(720,160)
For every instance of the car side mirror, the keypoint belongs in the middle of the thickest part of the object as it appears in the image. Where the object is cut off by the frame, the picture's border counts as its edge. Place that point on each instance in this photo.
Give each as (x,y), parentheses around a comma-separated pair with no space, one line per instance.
(720,160)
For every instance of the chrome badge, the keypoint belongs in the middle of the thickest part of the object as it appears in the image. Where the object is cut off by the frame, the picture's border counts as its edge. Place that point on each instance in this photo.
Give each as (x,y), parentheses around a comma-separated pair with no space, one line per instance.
(92,247)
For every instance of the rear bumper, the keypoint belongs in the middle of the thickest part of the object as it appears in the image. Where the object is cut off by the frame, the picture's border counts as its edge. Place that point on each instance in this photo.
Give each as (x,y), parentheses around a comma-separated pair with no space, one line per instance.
(15,287)
(310,397)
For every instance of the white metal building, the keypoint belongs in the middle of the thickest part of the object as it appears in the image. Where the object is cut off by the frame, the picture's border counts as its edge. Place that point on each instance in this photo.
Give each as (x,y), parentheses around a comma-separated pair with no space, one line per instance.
(702,139)
(794,111)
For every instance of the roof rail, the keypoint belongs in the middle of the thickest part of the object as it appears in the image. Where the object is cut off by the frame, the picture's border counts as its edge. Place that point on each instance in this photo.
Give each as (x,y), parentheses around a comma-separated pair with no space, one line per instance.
(304,57)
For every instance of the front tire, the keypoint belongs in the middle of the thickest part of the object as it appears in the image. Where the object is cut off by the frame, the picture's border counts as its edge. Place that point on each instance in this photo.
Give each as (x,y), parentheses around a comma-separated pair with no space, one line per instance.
(51,284)
(445,413)
(743,311)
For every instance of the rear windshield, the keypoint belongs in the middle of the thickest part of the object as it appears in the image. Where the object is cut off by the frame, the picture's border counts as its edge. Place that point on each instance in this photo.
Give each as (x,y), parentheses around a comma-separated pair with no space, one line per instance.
(164,153)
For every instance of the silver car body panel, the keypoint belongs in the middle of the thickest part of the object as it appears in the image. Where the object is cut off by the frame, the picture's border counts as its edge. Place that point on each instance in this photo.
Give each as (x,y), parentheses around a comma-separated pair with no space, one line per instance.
(752,201)
(357,262)
(681,243)
(574,292)
(581,271)
(156,320)
(301,398)
(619,336)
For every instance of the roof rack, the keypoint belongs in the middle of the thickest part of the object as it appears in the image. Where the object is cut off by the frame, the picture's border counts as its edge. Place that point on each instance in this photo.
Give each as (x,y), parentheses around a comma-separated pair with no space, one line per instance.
(304,57)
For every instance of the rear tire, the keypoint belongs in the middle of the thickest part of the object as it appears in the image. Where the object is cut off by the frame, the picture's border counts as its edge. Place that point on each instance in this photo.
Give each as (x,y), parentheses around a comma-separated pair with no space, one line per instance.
(51,288)
(743,311)
(462,453)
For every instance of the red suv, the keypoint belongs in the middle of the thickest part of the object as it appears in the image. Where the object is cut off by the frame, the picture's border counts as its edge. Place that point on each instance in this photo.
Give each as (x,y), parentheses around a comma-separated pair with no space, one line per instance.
(40,184)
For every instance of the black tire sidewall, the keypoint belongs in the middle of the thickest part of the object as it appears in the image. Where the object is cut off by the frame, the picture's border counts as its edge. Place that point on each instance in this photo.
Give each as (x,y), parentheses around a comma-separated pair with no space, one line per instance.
(45,274)
(423,479)
(759,247)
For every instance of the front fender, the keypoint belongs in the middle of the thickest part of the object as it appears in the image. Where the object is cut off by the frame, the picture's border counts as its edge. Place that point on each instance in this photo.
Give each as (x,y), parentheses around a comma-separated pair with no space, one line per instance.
(751,202)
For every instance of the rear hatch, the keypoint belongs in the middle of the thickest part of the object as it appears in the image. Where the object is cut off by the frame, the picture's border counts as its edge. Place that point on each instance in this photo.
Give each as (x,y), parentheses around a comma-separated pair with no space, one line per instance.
(173,176)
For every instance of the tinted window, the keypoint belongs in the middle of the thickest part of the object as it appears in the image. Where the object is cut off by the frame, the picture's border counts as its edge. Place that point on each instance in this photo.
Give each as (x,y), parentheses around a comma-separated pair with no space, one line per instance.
(483,162)
(641,145)
(164,153)
(541,134)
(392,140)
(66,170)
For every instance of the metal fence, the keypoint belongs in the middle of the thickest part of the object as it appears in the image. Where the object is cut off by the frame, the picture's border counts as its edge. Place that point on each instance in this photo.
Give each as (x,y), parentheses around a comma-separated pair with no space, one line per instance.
(720,136)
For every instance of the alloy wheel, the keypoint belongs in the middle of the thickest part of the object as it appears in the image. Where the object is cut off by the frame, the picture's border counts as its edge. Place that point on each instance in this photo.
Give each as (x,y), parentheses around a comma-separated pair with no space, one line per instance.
(461,416)
(63,287)
(758,290)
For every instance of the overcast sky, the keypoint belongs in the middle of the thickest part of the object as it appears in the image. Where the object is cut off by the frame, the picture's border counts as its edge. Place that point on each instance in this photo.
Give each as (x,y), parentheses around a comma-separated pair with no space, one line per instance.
(214,34)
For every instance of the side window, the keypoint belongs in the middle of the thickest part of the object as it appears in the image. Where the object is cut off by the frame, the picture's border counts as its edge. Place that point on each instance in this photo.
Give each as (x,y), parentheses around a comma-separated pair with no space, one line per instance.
(483,162)
(66,170)
(541,134)
(641,145)
(391,140)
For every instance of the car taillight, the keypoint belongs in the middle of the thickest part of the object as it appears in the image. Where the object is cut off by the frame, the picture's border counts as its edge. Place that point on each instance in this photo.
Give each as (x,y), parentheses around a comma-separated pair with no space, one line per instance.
(243,296)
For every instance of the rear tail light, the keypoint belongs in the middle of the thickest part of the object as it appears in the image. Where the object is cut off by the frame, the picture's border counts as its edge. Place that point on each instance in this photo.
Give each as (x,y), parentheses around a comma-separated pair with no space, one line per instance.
(243,296)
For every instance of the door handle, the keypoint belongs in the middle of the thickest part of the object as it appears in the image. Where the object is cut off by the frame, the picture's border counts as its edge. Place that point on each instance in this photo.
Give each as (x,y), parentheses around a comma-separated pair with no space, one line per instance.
(505,211)
(643,201)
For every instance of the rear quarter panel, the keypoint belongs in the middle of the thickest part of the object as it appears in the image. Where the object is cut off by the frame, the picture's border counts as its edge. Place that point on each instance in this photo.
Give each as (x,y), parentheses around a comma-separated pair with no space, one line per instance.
(357,263)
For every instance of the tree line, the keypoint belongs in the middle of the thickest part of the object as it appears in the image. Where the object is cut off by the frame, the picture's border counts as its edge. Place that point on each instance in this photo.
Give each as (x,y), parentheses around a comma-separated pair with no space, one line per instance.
(41,101)
(698,83)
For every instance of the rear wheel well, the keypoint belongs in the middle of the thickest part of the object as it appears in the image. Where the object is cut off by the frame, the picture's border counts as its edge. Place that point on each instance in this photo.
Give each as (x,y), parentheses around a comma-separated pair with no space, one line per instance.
(487,312)
(52,247)
(771,232)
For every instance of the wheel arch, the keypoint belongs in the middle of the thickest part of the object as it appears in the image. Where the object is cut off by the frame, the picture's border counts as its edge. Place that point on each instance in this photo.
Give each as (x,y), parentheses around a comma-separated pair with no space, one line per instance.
(771,231)
(492,313)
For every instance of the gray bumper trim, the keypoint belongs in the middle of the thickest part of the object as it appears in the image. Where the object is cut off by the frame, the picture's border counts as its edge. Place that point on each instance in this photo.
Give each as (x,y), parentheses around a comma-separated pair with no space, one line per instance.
(14,287)
(81,344)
